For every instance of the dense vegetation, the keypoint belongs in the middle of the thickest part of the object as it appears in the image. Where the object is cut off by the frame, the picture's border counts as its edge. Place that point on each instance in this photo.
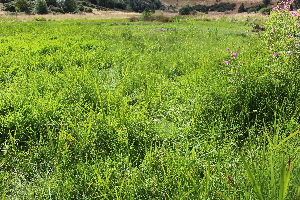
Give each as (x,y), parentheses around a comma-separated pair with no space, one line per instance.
(150,110)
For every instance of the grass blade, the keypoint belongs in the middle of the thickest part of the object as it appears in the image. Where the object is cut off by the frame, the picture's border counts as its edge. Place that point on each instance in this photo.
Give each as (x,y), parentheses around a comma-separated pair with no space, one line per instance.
(286,139)
(252,179)
(284,178)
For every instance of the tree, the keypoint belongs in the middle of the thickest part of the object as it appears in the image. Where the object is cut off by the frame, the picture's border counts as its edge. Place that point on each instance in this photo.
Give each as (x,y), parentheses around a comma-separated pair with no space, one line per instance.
(51,2)
(22,6)
(41,7)
(242,8)
(70,6)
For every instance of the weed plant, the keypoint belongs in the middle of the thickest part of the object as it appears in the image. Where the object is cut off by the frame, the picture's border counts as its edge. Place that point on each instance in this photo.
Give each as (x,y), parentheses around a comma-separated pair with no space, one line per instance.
(146,110)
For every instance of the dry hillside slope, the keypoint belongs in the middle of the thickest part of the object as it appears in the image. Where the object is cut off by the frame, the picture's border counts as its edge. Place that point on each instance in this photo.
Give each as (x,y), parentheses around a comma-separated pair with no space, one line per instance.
(179,3)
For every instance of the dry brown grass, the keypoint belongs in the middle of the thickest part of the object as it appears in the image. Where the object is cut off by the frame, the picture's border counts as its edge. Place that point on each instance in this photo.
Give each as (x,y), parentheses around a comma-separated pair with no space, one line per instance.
(165,16)
(86,16)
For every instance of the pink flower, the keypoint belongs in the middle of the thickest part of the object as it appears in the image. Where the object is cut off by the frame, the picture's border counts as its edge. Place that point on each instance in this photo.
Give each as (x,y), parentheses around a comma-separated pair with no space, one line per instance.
(289,36)
(274,8)
(228,49)
(226,62)
(235,55)
(294,13)
(275,54)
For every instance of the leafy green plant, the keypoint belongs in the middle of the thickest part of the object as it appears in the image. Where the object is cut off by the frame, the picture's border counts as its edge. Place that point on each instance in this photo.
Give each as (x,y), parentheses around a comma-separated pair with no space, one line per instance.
(185,10)
(41,7)
(22,6)
(265,11)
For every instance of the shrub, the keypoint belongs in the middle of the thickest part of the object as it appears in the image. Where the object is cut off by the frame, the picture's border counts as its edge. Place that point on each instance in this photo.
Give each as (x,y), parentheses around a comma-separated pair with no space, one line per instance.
(10,7)
(5,1)
(146,15)
(51,2)
(134,19)
(89,10)
(185,10)
(297,4)
(22,6)
(163,18)
(201,8)
(41,7)
(222,7)
(55,9)
(40,19)
(266,2)
(265,11)
(81,8)
(69,6)
(255,8)
(142,5)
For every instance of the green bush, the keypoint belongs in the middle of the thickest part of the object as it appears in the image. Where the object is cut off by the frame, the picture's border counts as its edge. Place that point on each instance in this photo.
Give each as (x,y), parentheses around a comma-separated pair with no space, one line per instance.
(10,7)
(41,7)
(69,6)
(297,3)
(51,2)
(89,10)
(265,11)
(22,6)
(255,8)
(185,10)
(201,8)
(222,7)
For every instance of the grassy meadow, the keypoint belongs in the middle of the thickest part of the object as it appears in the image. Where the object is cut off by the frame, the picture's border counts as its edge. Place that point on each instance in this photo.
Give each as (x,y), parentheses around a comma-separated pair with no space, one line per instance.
(112,109)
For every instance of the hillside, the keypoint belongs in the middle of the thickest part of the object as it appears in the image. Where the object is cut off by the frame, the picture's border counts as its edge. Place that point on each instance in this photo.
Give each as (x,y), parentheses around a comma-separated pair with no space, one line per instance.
(179,3)
(209,2)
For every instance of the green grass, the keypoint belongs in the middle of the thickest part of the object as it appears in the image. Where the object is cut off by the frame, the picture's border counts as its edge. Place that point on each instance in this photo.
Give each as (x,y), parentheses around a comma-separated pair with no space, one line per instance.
(144,110)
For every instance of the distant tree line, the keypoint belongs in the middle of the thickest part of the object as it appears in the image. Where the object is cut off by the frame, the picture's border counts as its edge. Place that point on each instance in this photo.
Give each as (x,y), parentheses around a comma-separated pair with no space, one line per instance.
(222,7)
(219,7)
(72,6)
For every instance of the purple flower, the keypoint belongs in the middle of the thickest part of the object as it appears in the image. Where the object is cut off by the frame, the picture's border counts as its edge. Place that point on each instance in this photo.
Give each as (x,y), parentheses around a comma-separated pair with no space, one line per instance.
(294,13)
(235,55)
(289,36)
(275,54)
(274,8)
(226,62)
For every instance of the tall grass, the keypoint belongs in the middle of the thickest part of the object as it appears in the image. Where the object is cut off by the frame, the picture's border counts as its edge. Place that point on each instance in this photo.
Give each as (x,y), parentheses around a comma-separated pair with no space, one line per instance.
(143,110)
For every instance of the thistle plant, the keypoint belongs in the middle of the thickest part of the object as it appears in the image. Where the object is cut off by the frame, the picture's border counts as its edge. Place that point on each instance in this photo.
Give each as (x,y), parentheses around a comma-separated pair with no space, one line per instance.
(282,33)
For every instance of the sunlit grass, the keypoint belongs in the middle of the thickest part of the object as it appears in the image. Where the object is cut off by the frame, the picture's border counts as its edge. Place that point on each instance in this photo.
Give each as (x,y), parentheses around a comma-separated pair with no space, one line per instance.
(142,110)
